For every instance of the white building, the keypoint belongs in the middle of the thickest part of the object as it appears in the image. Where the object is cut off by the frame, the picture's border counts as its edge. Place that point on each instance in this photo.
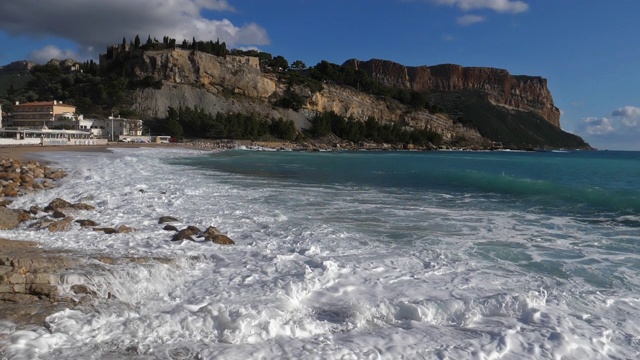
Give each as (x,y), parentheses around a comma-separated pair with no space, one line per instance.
(113,128)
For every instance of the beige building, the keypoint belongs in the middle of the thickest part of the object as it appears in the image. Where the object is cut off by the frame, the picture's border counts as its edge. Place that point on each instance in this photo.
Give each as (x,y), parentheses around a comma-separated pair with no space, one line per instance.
(39,114)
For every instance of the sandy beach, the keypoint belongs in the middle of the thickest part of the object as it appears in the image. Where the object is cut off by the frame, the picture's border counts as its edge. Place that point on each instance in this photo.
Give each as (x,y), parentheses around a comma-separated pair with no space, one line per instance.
(26,152)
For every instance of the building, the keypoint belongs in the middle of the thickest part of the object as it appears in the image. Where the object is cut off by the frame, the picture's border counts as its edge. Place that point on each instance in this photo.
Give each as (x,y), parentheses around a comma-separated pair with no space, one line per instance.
(39,114)
(252,61)
(113,128)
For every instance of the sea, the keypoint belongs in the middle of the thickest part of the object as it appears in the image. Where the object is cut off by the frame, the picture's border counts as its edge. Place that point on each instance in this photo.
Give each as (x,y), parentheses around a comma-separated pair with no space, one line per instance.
(347,255)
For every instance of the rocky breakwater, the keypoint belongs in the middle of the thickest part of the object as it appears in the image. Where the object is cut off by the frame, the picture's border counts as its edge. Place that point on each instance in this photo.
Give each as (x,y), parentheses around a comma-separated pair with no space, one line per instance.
(522,93)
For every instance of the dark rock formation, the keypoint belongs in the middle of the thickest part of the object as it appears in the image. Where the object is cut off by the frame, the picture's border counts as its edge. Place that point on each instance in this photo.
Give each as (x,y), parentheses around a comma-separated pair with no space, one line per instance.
(184,234)
(166,219)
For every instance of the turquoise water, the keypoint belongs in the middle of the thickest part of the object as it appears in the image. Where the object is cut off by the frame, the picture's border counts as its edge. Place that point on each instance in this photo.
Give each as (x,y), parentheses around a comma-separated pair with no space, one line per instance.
(575,183)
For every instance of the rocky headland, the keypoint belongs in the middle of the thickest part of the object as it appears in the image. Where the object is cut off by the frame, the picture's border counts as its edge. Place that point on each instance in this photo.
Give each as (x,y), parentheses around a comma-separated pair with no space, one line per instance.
(481,106)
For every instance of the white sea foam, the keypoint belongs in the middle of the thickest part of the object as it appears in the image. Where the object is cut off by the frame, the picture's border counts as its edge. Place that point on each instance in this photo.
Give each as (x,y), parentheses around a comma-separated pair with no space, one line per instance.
(331,272)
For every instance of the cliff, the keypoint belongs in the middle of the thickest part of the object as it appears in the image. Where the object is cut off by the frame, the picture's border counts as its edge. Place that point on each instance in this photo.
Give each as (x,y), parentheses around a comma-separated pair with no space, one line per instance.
(523,93)
(481,105)
(216,84)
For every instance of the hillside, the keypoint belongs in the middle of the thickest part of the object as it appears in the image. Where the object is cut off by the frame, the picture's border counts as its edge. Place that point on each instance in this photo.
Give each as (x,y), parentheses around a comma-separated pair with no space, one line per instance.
(468,107)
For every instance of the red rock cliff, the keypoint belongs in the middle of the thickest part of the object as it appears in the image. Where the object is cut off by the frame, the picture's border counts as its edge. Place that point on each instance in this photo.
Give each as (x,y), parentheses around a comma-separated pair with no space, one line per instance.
(524,93)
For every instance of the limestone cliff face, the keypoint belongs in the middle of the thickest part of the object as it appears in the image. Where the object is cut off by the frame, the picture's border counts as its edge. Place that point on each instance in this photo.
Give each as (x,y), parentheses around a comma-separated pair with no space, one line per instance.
(523,93)
(215,84)
(204,70)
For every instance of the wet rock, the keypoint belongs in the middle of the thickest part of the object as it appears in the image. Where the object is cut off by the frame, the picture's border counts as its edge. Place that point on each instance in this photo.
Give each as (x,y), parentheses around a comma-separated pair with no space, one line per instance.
(61,225)
(124,229)
(106,230)
(24,216)
(83,206)
(221,240)
(56,204)
(194,229)
(57,214)
(170,228)
(35,209)
(86,222)
(184,234)
(166,219)
(8,218)
(210,232)
(5,203)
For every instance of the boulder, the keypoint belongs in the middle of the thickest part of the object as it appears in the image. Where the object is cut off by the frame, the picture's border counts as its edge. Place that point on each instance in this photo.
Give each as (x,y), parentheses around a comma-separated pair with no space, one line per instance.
(24,216)
(8,218)
(83,206)
(221,240)
(194,229)
(184,234)
(124,229)
(34,209)
(106,230)
(86,223)
(166,219)
(61,225)
(170,228)
(56,204)
(57,214)
(210,232)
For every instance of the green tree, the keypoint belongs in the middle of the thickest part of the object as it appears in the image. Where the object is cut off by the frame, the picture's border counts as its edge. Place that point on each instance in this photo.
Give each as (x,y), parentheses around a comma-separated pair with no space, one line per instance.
(279,63)
(136,42)
(298,65)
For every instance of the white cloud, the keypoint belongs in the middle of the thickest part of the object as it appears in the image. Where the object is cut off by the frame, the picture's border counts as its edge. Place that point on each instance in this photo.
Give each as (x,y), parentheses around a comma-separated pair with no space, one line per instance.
(501,6)
(598,126)
(630,115)
(94,24)
(467,20)
(51,52)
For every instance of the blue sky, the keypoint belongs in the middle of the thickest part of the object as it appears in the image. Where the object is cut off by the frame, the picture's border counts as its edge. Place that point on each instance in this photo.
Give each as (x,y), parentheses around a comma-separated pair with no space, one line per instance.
(586,49)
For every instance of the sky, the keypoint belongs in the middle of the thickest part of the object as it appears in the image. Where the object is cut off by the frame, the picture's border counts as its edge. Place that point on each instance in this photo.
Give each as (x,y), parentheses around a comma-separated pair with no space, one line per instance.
(588,50)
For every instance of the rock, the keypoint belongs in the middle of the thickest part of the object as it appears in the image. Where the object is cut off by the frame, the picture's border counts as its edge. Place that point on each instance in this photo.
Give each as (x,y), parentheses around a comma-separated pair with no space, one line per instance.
(5,203)
(86,223)
(8,218)
(61,225)
(210,232)
(55,175)
(10,192)
(34,209)
(142,191)
(194,230)
(57,214)
(124,229)
(56,204)
(184,234)
(221,240)
(83,206)
(170,228)
(166,219)
(106,230)
(24,216)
